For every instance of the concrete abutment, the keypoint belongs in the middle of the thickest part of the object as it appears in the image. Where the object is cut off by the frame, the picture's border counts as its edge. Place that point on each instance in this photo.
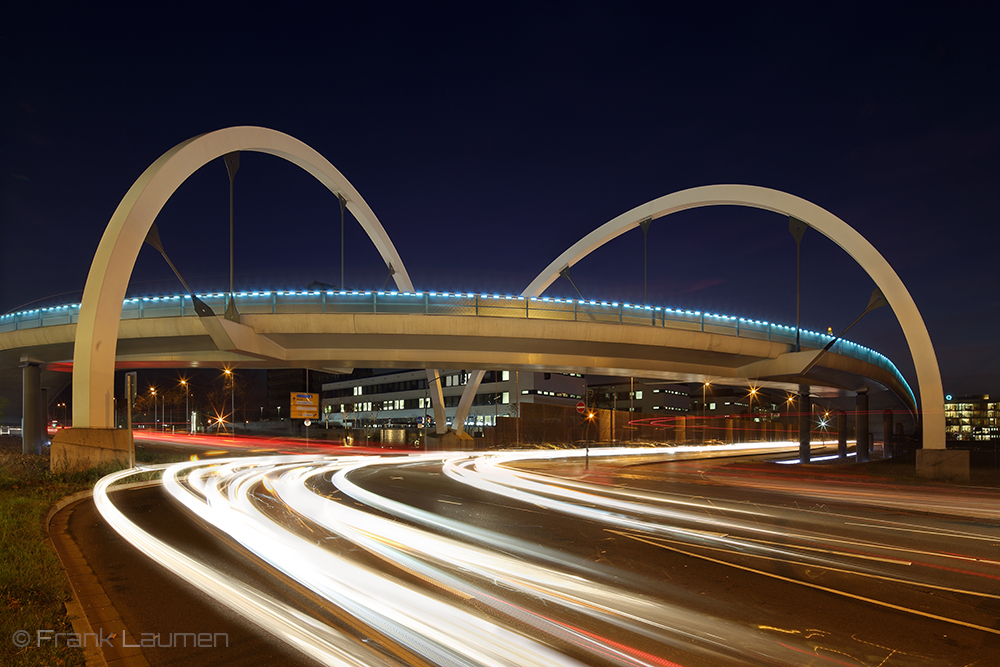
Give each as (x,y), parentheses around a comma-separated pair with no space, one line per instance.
(76,449)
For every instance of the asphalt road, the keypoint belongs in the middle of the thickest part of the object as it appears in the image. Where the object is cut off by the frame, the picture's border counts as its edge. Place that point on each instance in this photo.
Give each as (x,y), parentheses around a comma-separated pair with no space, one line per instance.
(152,600)
(649,559)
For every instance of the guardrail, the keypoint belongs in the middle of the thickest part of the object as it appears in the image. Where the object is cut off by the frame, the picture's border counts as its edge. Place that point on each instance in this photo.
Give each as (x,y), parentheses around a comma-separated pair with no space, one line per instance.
(461,303)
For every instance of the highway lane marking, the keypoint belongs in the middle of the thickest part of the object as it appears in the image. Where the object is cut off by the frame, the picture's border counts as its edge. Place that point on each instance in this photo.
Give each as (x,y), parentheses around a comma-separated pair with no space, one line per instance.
(894,561)
(658,542)
(889,547)
(827,589)
(450,502)
(945,533)
(808,633)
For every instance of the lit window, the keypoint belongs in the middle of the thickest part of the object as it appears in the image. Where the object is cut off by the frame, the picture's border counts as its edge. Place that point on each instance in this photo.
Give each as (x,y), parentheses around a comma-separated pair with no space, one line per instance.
(638,395)
(504,376)
(506,398)
(357,391)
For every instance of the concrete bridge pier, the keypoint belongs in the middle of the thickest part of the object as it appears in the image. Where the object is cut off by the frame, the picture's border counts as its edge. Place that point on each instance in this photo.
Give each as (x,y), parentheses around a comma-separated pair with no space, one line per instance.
(888,448)
(842,435)
(861,422)
(43,414)
(32,411)
(805,412)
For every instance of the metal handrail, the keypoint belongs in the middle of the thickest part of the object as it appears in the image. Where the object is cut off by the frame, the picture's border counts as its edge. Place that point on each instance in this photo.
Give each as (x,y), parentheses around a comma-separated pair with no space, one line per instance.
(461,303)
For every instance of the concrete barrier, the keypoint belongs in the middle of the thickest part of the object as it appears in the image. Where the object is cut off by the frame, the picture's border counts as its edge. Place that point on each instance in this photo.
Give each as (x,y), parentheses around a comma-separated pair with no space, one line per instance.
(946,464)
(84,448)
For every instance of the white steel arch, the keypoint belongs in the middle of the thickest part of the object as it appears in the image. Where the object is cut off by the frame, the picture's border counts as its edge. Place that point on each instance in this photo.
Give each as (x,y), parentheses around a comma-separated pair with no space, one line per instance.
(100,310)
(864,253)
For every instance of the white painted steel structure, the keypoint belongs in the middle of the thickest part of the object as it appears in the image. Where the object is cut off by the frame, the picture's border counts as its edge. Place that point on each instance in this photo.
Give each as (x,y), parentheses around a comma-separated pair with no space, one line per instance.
(864,253)
(100,310)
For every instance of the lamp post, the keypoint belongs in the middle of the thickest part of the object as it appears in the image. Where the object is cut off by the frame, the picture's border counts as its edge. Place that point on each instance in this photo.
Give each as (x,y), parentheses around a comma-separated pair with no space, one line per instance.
(153,392)
(187,404)
(232,395)
(753,392)
(704,413)
(590,420)
(790,402)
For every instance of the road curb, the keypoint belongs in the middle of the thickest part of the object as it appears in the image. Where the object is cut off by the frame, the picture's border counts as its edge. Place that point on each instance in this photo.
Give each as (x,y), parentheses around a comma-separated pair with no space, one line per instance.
(62,543)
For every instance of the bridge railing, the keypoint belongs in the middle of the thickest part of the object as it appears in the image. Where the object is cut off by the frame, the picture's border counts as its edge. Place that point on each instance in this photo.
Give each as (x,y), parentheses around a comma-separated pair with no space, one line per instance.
(461,303)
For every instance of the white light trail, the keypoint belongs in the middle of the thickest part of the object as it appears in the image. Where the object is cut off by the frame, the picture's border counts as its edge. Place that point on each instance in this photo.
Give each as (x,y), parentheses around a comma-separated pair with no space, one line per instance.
(449,592)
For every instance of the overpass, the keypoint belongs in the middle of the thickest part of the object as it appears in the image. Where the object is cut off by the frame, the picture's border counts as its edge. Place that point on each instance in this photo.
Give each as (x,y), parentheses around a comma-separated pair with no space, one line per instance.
(545,340)
(340,330)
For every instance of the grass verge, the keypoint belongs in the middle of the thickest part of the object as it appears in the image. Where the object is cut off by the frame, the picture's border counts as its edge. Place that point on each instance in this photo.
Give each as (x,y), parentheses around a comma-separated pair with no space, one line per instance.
(33,586)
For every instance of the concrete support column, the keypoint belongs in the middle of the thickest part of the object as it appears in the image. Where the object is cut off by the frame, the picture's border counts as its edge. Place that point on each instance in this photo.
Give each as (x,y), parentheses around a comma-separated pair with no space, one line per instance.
(888,450)
(31,436)
(805,413)
(861,426)
(842,435)
(43,414)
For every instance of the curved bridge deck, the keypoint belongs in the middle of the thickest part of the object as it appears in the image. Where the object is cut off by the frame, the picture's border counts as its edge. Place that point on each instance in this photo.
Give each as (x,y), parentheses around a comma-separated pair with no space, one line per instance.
(347,328)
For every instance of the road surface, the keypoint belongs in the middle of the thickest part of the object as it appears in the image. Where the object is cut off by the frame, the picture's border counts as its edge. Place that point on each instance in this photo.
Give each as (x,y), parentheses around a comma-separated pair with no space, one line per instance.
(644,557)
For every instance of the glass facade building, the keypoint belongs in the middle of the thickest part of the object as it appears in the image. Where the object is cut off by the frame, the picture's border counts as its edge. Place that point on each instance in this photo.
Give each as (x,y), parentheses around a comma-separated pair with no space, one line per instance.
(972,418)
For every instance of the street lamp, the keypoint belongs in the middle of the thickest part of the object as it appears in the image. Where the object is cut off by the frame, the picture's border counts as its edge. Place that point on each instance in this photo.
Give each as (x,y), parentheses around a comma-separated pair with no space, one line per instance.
(753,392)
(153,392)
(187,403)
(232,389)
(790,404)
(704,413)
(590,420)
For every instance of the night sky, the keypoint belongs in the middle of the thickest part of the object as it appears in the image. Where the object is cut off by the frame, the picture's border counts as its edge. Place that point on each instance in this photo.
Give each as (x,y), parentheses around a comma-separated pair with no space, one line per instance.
(489,140)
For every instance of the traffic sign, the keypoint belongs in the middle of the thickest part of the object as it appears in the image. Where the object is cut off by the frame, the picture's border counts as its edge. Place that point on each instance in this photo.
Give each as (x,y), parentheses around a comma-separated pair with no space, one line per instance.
(304,405)
(581,407)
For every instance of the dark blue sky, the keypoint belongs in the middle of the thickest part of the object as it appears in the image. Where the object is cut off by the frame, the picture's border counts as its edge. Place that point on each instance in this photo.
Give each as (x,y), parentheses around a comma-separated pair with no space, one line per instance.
(489,140)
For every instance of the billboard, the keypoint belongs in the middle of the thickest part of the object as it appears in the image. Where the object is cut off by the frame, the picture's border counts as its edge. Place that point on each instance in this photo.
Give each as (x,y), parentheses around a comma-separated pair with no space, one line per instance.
(304,405)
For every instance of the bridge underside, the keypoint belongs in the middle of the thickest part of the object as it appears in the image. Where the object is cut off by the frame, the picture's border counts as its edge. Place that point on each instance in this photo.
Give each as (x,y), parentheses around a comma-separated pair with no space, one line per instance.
(339,342)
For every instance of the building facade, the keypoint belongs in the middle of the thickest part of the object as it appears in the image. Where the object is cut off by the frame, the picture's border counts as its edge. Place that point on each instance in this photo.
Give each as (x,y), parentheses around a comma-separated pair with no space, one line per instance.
(402,398)
(972,418)
(638,395)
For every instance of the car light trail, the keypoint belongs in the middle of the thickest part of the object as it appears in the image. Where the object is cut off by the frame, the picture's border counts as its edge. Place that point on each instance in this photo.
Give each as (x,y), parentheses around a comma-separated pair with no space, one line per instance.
(446,591)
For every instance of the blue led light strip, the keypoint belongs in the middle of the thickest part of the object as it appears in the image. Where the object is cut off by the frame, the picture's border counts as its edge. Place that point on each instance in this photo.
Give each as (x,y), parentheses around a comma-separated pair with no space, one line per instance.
(37,315)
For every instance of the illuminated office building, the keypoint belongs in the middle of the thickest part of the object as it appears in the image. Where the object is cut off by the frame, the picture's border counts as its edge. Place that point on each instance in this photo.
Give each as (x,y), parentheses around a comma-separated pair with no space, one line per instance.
(972,418)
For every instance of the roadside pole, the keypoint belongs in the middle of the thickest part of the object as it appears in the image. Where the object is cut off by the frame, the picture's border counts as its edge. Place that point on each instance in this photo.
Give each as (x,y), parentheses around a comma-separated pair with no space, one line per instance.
(130,393)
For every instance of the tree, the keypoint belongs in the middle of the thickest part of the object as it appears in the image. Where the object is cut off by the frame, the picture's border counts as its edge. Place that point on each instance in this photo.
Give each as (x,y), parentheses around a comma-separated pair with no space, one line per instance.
(373,413)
